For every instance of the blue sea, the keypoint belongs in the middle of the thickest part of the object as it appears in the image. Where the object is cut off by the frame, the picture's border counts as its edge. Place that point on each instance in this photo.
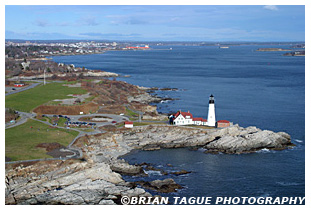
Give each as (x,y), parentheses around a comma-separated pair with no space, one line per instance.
(251,88)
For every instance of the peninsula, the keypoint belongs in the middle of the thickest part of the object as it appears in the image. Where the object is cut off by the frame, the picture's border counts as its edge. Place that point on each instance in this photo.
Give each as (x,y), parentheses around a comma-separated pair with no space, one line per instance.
(272,49)
(74,124)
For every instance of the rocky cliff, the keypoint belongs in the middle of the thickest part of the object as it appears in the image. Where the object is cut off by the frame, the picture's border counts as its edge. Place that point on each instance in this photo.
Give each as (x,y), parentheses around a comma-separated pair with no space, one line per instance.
(96,178)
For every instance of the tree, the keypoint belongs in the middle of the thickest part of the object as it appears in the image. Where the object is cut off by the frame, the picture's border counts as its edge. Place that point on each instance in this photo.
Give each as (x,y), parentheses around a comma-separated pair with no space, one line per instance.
(80,76)
(16,72)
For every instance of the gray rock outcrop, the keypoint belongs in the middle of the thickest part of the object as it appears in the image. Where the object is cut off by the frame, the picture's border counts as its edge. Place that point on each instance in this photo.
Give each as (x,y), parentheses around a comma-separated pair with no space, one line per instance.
(163,186)
(97,180)
(243,140)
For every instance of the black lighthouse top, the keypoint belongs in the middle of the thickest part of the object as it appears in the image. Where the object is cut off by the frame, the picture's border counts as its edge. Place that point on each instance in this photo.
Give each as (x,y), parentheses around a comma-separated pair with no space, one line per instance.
(211,99)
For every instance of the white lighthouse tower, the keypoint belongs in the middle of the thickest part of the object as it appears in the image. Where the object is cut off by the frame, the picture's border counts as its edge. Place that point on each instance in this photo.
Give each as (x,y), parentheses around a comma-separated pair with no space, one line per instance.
(211,118)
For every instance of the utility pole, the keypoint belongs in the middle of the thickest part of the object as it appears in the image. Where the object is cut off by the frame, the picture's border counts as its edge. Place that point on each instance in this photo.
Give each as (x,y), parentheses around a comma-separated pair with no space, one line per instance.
(44,77)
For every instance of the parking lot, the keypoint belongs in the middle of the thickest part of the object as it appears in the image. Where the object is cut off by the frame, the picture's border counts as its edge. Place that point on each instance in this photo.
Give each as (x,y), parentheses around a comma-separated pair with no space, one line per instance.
(73,120)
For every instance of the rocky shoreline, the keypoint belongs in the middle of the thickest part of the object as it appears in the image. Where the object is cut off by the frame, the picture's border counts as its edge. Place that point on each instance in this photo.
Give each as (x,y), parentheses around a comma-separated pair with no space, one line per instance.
(89,73)
(96,178)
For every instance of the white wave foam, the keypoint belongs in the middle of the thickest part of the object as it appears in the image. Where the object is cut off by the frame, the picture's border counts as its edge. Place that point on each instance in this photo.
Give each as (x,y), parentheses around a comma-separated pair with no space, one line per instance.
(288,183)
(153,173)
(201,150)
(263,195)
(264,150)
(297,140)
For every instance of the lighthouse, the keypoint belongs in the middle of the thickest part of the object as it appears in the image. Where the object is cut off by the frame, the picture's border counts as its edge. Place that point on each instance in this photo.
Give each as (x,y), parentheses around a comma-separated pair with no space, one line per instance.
(211,118)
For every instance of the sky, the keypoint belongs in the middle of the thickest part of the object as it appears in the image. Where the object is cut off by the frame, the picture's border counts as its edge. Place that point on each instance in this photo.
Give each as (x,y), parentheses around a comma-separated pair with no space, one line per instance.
(156,23)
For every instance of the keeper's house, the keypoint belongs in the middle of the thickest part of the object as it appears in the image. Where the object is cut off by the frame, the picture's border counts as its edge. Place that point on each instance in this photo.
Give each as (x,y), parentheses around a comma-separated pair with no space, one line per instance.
(199,121)
(186,118)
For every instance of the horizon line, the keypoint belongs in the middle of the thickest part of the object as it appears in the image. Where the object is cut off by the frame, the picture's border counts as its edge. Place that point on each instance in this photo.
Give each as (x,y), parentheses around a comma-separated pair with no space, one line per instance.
(147,40)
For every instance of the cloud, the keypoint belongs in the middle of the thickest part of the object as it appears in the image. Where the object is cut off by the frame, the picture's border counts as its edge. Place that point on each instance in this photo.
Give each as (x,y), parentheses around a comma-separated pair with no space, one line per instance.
(37,36)
(63,24)
(109,34)
(88,21)
(127,20)
(271,7)
(169,34)
(41,23)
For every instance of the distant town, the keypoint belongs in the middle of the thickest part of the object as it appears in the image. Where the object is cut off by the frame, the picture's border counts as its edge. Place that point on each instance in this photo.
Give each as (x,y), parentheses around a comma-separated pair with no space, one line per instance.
(39,49)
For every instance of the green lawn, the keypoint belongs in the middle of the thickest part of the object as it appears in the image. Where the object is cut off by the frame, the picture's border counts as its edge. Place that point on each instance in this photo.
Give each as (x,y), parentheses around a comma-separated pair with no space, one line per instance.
(131,113)
(21,141)
(30,99)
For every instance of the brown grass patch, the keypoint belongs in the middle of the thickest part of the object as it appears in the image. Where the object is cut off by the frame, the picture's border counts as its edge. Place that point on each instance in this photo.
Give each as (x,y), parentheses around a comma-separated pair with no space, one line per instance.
(108,128)
(112,109)
(82,141)
(50,146)
(67,110)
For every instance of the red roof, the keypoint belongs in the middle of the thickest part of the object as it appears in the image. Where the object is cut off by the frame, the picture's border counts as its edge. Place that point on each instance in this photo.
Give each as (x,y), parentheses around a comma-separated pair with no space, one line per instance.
(128,122)
(199,119)
(223,121)
(184,114)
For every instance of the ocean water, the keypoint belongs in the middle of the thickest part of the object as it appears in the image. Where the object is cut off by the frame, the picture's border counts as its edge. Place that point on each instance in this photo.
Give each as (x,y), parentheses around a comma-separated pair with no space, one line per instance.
(251,88)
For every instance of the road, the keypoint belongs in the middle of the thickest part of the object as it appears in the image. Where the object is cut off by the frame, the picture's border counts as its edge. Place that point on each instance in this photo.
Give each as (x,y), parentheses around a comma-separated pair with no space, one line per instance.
(24,116)
(20,89)
(76,152)
(113,117)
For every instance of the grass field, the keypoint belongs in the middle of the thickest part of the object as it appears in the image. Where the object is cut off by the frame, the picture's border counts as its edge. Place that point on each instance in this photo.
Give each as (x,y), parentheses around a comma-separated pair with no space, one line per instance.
(21,141)
(131,113)
(30,99)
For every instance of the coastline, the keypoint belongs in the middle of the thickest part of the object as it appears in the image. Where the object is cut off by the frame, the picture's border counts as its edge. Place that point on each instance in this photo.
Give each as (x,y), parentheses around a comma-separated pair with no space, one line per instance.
(101,166)
(84,181)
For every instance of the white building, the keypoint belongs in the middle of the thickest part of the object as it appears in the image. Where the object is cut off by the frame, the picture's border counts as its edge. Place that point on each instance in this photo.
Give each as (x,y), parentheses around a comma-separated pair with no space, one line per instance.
(128,124)
(199,121)
(183,118)
(186,118)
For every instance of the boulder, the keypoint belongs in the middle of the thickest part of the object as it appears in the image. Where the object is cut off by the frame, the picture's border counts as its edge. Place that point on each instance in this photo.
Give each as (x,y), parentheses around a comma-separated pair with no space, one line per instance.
(126,169)
(163,186)
(181,172)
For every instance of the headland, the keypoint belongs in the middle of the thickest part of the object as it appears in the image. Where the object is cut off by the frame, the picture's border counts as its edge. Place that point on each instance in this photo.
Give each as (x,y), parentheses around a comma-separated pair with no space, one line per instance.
(95,175)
